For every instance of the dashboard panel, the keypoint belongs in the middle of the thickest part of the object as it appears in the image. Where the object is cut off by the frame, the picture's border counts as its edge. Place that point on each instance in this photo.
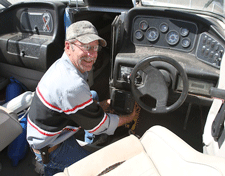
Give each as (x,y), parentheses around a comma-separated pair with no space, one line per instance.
(189,39)
(164,32)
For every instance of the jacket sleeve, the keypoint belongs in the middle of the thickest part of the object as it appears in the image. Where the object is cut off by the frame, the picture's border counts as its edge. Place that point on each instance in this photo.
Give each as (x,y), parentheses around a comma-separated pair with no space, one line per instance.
(93,119)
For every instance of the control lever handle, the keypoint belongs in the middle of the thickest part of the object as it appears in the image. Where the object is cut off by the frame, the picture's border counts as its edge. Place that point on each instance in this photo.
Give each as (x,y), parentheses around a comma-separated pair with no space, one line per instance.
(217,93)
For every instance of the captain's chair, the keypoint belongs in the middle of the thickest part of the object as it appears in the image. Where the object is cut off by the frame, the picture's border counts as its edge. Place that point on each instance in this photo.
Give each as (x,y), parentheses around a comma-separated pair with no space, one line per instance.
(159,152)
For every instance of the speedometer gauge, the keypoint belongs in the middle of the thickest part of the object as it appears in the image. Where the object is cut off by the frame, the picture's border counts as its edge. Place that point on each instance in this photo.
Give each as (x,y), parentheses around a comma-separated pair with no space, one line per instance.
(172,37)
(152,34)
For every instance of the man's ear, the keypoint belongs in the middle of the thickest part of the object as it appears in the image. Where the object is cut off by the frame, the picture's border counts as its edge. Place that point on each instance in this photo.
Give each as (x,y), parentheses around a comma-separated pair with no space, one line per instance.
(67,45)
(67,48)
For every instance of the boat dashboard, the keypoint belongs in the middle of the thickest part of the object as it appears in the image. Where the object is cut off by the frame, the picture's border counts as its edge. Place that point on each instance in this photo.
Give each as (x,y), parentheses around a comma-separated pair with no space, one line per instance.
(195,41)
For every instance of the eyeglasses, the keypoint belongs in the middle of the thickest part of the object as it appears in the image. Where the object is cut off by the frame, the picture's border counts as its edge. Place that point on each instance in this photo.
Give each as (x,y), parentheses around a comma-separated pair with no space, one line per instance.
(88,47)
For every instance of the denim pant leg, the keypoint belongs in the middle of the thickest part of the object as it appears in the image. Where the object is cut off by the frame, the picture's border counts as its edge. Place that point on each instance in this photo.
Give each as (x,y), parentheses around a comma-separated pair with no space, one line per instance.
(89,138)
(68,153)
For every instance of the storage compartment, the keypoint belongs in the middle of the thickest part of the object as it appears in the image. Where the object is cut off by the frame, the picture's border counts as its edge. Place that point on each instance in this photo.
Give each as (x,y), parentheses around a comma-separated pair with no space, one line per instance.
(26,50)
(25,46)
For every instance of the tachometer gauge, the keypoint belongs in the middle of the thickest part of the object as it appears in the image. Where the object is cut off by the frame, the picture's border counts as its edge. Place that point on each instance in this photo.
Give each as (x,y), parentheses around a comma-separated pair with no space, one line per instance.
(163,27)
(184,32)
(172,37)
(152,34)
(143,25)
(186,42)
(138,34)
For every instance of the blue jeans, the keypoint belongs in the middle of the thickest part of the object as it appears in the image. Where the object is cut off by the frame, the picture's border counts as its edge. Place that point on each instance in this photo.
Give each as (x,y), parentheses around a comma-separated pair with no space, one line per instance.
(67,153)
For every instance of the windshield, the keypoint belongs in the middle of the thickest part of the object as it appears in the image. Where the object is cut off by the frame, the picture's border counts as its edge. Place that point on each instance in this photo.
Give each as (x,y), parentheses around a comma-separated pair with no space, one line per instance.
(215,6)
(6,3)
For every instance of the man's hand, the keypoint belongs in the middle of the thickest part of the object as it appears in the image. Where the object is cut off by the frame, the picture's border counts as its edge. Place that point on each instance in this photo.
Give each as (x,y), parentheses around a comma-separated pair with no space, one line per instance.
(123,118)
(105,104)
(128,118)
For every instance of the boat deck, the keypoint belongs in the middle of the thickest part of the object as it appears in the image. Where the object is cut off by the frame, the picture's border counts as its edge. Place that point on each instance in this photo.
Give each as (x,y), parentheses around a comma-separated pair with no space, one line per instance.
(25,166)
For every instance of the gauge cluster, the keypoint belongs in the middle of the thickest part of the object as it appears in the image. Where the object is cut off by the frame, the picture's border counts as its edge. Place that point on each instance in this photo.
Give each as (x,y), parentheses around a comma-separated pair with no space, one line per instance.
(164,32)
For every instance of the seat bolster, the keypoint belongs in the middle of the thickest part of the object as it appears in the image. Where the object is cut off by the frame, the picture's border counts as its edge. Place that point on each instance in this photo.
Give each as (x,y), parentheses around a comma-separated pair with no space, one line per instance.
(20,103)
(100,160)
(172,156)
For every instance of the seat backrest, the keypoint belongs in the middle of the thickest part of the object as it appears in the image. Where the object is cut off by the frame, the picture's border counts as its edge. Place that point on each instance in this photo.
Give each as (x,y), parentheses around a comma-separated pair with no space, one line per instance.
(10,128)
(172,156)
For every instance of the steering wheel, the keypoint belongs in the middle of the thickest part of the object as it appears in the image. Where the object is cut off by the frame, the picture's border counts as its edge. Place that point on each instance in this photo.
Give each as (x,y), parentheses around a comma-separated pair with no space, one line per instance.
(154,85)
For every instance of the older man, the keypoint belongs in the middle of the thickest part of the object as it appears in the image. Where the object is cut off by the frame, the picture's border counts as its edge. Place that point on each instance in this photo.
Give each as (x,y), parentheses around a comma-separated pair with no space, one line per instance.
(63,103)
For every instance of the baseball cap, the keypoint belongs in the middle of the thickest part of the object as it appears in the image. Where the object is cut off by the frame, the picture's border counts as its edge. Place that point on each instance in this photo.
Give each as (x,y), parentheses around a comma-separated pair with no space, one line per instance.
(84,32)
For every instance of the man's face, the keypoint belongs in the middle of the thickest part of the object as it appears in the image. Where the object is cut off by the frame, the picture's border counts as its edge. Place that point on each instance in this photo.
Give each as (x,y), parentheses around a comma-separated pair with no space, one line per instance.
(83,56)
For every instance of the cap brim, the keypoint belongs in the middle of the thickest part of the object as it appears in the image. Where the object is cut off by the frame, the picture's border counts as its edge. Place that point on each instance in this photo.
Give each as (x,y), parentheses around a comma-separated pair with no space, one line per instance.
(88,38)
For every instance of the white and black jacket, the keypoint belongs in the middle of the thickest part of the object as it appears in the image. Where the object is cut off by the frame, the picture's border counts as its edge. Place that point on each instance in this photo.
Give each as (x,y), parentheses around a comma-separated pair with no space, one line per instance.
(62,104)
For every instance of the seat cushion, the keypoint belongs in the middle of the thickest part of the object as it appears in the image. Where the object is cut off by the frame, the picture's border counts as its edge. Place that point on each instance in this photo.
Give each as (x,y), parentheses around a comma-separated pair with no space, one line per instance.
(95,163)
(172,156)
(159,152)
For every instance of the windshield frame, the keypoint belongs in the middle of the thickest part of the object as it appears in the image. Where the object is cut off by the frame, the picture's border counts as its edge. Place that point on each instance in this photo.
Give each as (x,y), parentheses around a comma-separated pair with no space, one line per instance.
(209,6)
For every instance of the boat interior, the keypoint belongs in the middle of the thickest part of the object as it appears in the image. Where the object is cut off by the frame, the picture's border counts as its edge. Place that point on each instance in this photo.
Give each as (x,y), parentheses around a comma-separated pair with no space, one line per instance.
(167,60)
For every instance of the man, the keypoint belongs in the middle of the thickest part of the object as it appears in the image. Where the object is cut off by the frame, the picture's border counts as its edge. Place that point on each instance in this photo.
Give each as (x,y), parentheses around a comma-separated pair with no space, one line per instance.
(63,103)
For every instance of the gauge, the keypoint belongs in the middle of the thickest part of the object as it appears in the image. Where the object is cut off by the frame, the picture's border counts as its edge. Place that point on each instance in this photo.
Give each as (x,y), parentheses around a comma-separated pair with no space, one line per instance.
(143,25)
(163,27)
(138,34)
(172,37)
(152,34)
(186,42)
(184,32)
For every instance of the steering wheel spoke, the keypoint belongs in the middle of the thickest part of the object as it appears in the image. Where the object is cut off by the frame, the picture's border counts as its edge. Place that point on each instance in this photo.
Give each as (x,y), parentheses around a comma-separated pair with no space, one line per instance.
(140,91)
(161,104)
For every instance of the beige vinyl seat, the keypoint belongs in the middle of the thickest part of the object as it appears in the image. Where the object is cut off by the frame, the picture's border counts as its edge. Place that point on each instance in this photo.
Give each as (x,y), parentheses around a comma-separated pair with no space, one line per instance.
(10,127)
(158,153)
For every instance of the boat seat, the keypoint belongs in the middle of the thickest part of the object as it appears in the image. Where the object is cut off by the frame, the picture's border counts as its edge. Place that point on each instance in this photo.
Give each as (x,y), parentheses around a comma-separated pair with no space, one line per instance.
(159,152)
(10,126)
